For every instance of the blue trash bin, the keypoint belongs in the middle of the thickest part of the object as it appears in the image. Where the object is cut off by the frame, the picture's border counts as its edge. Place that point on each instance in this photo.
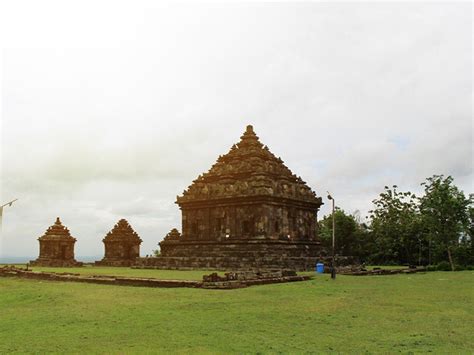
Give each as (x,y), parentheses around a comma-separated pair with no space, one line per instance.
(320,268)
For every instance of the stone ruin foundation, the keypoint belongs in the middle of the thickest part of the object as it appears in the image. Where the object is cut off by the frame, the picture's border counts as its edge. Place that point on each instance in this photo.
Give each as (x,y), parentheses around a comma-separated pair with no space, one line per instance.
(213,281)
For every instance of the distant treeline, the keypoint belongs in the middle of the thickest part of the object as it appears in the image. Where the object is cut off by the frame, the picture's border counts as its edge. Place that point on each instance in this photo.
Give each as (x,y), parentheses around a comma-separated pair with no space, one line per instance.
(433,229)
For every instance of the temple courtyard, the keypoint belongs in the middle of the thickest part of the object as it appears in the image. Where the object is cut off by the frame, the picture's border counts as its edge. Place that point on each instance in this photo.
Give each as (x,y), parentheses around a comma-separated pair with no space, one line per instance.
(423,312)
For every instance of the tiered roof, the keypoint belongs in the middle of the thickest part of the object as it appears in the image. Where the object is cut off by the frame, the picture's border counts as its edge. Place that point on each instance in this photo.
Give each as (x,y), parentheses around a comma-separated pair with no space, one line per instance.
(248,169)
(173,235)
(122,231)
(57,232)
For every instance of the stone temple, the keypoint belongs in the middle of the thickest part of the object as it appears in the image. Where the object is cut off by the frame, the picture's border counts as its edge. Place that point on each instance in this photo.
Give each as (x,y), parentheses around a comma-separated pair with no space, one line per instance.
(248,211)
(122,245)
(56,247)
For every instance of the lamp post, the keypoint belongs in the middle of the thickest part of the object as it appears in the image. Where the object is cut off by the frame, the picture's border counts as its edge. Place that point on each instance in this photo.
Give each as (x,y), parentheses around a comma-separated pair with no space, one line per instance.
(1,211)
(333,268)
(1,218)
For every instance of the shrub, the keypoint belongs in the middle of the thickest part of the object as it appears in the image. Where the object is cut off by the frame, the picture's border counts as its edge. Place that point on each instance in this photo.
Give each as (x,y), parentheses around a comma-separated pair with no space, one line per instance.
(431,268)
(443,266)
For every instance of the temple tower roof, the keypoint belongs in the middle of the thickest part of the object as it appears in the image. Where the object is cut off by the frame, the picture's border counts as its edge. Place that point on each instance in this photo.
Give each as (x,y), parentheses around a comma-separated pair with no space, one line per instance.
(173,235)
(122,231)
(249,169)
(57,232)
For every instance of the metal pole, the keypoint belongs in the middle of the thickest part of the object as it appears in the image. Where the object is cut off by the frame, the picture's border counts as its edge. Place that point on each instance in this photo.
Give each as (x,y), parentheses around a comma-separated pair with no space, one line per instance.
(333,270)
(1,221)
(333,264)
(1,211)
(9,203)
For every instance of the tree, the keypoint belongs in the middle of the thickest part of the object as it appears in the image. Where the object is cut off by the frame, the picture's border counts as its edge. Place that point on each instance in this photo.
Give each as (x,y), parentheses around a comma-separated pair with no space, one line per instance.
(396,227)
(445,213)
(349,233)
(157,251)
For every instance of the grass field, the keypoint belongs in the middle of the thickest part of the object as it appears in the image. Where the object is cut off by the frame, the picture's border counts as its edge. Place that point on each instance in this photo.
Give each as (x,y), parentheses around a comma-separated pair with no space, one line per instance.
(125,271)
(430,312)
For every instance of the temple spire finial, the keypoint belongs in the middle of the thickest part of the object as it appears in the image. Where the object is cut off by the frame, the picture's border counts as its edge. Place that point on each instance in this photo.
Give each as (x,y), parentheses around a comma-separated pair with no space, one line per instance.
(249,139)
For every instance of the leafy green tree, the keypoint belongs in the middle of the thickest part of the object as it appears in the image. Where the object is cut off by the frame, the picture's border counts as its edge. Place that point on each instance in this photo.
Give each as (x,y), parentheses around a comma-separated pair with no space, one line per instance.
(470,234)
(396,227)
(463,253)
(350,235)
(445,213)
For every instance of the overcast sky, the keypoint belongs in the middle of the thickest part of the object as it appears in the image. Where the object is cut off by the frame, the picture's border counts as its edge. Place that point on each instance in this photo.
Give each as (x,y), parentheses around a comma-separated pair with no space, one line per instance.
(110,109)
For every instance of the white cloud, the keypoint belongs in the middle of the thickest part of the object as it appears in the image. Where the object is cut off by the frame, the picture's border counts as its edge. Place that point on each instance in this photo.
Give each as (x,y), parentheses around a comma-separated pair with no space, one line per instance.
(111,109)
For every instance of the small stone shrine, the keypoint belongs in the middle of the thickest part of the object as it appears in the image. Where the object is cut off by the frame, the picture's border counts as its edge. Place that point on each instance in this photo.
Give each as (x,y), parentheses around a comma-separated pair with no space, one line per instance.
(249,211)
(56,247)
(122,245)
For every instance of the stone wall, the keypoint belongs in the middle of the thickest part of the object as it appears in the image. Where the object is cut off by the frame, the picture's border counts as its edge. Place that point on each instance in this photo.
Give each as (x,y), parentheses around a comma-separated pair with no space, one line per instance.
(235,255)
(229,281)
(247,221)
(44,262)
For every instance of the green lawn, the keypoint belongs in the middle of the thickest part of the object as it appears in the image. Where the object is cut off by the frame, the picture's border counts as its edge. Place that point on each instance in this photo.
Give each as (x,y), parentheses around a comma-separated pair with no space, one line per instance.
(387,267)
(400,313)
(125,271)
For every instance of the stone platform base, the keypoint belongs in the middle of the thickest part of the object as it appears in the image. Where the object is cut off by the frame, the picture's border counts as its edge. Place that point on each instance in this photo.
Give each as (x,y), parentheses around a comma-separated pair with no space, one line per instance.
(115,262)
(235,254)
(226,263)
(55,263)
